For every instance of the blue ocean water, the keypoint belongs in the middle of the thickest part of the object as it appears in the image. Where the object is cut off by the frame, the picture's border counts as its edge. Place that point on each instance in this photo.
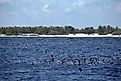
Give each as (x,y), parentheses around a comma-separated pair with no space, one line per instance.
(60,59)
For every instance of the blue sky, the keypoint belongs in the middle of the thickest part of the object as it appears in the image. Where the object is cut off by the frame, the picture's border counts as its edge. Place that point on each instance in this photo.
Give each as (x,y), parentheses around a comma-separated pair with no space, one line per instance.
(79,13)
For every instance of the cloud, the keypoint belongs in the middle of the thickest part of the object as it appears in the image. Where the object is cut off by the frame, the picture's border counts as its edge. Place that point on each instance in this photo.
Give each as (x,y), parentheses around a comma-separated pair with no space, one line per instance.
(4,1)
(65,11)
(45,8)
(78,3)
(69,9)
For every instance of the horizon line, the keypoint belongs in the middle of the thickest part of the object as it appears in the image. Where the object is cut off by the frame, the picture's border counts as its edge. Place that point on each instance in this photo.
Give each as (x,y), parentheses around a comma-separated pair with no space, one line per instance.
(59,25)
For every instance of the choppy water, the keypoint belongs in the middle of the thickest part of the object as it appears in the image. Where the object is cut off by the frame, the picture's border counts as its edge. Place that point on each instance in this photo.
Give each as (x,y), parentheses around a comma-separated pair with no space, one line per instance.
(57,59)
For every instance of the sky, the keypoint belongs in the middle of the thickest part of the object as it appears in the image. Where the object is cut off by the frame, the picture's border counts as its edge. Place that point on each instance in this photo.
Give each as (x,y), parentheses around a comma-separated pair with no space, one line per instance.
(79,13)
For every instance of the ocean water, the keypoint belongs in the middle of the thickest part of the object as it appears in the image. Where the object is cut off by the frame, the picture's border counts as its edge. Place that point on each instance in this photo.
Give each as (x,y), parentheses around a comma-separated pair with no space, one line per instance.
(60,59)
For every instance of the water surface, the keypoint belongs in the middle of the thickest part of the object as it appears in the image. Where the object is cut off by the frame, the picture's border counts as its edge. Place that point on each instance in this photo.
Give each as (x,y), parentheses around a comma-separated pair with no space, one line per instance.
(52,59)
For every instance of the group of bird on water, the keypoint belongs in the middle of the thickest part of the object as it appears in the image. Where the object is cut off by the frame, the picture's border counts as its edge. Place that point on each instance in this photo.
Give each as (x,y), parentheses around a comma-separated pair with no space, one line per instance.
(74,61)
(91,60)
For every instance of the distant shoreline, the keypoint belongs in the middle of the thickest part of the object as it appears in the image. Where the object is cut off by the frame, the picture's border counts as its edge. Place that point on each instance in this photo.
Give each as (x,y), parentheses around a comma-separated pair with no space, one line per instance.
(68,36)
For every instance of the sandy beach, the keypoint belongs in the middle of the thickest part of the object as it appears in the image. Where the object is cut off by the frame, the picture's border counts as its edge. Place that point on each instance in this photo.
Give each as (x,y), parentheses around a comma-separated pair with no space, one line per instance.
(70,35)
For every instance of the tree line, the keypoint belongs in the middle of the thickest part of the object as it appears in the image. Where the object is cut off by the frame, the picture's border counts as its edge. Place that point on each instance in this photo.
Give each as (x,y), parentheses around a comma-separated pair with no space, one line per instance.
(58,30)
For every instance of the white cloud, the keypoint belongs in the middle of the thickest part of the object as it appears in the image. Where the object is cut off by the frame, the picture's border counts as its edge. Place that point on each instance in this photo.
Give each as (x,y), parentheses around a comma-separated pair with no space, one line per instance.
(69,9)
(78,3)
(45,8)
(75,5)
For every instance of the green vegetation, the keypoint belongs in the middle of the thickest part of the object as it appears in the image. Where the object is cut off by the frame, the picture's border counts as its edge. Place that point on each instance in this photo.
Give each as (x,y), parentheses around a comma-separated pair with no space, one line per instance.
(57,30)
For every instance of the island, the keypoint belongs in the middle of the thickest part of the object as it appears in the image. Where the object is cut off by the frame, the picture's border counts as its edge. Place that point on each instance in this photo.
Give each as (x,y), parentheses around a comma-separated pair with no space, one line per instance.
(60,31)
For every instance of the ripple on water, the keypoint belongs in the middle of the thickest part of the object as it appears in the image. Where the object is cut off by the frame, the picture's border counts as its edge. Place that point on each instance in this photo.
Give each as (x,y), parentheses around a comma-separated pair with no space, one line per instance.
(25,59)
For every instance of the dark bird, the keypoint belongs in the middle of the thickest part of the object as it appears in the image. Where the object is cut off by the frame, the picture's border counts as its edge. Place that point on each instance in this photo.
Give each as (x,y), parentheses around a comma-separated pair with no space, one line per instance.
(80,69)
(51,59)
